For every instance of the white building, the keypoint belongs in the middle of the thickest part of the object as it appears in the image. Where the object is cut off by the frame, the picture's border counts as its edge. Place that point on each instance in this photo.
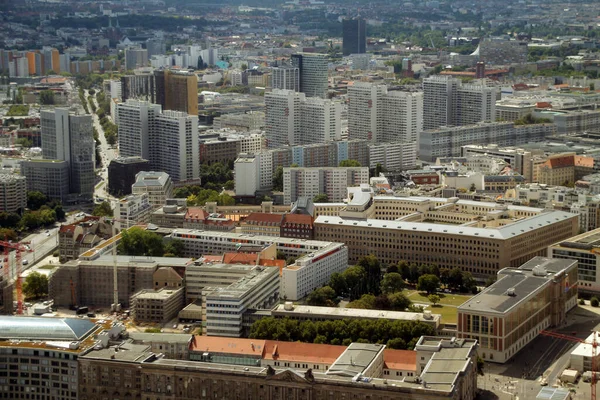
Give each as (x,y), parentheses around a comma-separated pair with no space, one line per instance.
(13,193)
(115,90)
(581,356)
(446,101)
(132,210)
(225,306)
(316,261)
(309,182)
(282,124)
(381,116)
(157,185)
(293,119)
(285,77)
(395,156)
(247,174)
(135,120)
(175,147)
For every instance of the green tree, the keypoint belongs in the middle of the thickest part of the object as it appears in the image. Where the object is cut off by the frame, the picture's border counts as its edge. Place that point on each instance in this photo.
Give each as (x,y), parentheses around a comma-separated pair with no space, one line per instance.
(434,299)
(594,302)
(455,278)
(428,283)
(404,270)
(366,302)
(46,97)
(36,199)
(229,185)
(278,179)
(392,282)
(399,301)
(35,286)
(338,283)
(24,142)
(138,242)
(324,296)
(321,198)
(174,247)
(244,67)
(372,268)
(103,210)
(480,366)
(349,163)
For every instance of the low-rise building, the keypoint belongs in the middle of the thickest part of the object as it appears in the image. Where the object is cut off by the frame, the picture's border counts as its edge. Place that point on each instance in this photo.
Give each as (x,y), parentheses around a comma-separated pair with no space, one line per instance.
(76,238)
(132,210)
(314,313)
(225,306)
(198,218)
(158,306)
(13,193)
(297,226)
(174,346)
(524,301)
(157,185)
(264,224)
(171,215)
(122,172)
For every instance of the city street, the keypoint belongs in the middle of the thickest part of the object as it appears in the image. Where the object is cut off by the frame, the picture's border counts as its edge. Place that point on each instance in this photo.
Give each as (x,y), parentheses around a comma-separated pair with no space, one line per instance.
(107,153)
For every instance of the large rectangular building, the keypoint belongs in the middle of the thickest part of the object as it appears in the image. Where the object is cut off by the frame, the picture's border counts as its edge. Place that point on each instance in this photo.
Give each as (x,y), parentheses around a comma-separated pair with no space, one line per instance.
(316,262)
(481,247)
(310,182)
(524,301)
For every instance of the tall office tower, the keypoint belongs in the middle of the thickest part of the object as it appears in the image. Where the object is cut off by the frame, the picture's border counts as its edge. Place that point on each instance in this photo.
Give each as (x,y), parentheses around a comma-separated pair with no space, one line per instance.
(174,145)
(155,46)
(135,58)
(354,36)
(447,102)
(320,121)
(313,73)
(363,103)
(282,122)
(177,91)
(285,77)
(439,95)
(135,120)
(70,138)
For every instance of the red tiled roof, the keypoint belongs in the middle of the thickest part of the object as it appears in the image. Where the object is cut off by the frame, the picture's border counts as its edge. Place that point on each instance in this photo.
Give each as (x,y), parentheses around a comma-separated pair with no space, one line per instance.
(217,344)
(264,218)
(584,161)
(271,263)
(400,359)
(67,229)
(561,162)
(297,219)
(240,258)
(196,213)
(302,352)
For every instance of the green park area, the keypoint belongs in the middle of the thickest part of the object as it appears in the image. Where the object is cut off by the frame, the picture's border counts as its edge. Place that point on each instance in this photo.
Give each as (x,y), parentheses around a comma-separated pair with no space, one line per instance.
(447,306)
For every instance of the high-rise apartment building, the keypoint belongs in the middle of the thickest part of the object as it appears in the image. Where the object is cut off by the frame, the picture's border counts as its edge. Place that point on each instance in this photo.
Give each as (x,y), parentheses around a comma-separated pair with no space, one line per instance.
(175,145)
(380,116)
(447,102)
(309,182)
(293,119)
(177,90)
(135,120)
(135,58)
(313,73)
(282,125)
(285,77)
(68,137)
(141,87)
(354,36)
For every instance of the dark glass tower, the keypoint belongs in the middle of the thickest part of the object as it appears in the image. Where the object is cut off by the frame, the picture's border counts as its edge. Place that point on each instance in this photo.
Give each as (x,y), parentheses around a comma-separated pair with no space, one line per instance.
(354,36)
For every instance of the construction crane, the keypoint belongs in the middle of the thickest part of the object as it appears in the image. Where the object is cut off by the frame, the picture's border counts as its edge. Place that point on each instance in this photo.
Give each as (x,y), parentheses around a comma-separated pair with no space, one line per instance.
(593,343)
(428,35)
(115,269)
(20,248)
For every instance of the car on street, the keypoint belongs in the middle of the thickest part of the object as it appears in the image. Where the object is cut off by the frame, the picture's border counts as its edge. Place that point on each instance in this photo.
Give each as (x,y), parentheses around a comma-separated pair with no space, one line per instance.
(25,262)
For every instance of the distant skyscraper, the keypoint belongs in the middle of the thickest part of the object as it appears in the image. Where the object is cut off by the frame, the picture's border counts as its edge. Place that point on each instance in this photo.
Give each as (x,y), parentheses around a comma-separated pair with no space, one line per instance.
(70,138)
(177,91)
(354,36)
(285,77)
(135,120)
(135,58)
(313,73)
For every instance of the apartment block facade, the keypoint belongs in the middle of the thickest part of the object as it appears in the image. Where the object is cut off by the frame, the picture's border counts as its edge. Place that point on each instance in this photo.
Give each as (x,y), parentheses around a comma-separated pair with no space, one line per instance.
(309,182)
(132,210)
(136,121)
(13,193)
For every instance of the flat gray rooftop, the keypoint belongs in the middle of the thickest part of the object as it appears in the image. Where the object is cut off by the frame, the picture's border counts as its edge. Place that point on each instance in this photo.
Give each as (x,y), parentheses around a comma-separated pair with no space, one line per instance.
(355,359)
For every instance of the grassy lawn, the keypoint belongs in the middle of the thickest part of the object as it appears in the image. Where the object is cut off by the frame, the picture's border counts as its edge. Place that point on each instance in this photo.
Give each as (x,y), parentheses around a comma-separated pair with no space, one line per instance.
(18,110)
(48,266)
(445,298)
(448,313)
